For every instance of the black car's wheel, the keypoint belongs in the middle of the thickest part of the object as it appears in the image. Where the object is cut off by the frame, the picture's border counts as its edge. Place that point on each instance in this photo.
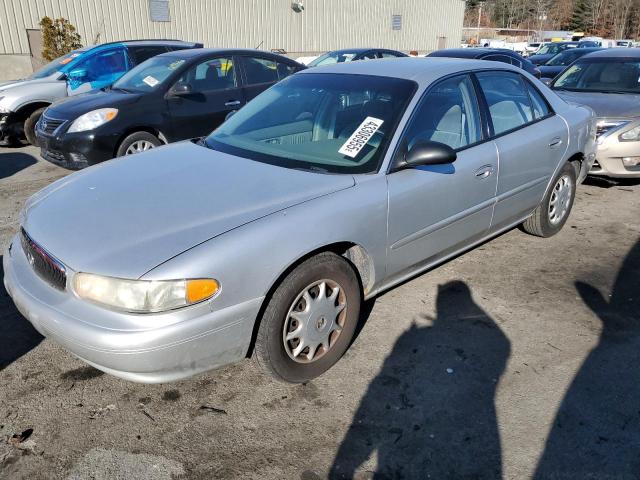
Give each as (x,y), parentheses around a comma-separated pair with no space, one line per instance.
(138,142)
(30,126)
(551,215)
(309,320)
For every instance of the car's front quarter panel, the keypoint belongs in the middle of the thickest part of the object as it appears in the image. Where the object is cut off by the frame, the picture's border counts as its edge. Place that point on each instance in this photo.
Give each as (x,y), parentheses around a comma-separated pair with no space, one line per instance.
(581,122)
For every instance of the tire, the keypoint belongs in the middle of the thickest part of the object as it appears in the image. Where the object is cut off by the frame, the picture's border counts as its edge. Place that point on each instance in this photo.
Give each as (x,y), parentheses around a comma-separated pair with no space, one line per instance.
(30,126)
(142,139)
(551,215)
(277,355)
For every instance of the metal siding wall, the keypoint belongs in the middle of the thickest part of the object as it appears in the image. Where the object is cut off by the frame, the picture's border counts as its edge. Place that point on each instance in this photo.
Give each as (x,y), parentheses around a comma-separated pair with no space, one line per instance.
(324,24)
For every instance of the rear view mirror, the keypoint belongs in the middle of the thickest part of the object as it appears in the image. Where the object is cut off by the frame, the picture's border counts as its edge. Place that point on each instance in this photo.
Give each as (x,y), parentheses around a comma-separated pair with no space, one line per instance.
(427,153)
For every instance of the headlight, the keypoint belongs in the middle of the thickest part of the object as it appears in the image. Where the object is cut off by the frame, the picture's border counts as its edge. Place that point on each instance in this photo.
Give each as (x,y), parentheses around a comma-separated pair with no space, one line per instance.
(93,119)
(632,135)
(3,109)
(143,296)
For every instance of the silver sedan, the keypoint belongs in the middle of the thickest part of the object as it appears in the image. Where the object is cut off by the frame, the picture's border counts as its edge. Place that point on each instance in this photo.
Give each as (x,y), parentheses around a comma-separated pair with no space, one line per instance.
(264,238)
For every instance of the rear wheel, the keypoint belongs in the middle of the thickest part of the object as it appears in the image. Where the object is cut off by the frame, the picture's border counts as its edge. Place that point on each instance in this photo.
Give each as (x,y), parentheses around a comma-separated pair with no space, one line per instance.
(310,319)
(138,142)
(551,215)
(30,126)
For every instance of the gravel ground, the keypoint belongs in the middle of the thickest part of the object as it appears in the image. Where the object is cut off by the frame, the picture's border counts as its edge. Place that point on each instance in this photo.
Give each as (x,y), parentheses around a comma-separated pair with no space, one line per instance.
(516,360)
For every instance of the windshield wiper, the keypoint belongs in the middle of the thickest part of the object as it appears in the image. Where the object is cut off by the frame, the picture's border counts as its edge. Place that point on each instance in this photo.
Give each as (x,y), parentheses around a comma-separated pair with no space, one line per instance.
(311,168)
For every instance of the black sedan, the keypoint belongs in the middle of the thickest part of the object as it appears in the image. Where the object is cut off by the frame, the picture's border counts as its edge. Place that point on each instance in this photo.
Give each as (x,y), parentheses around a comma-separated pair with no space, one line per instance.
(557,64)
(353,54)
(494,54)
(170,97)
(550,50)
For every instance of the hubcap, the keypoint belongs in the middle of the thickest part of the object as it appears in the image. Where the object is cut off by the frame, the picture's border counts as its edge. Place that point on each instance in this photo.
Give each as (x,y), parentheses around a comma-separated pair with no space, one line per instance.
(314,321)
(560,199)
(139,146)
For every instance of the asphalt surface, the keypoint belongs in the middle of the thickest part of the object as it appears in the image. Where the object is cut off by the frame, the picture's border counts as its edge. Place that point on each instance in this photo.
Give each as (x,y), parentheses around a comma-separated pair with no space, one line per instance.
(516,360)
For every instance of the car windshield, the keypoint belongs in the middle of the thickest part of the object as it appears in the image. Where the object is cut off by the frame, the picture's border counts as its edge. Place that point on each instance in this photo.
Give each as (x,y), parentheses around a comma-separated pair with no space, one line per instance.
(333,123)
(553,49)
(57,65)
(333,57)
(618,75)
(564,58)
(149,75)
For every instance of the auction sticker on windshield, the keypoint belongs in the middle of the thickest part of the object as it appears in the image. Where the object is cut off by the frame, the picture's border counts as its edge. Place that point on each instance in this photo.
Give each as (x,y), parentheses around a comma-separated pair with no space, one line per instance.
(151,81)
(360,137)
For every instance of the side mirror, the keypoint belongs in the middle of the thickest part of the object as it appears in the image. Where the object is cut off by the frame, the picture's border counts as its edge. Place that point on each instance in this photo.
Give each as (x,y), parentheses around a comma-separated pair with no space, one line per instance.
(77,74)
(230,114)
(181,89)
(427,153)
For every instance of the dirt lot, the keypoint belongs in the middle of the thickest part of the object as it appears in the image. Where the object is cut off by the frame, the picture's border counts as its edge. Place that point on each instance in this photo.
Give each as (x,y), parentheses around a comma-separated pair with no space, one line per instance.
(516,360)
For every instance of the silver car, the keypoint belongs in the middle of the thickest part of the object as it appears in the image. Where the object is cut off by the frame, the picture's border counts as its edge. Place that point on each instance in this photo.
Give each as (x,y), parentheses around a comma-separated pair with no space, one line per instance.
(264,238)
(608,81)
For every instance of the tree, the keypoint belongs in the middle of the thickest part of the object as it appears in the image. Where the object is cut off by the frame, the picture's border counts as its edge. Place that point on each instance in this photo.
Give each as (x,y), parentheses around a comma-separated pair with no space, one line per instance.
(59,37)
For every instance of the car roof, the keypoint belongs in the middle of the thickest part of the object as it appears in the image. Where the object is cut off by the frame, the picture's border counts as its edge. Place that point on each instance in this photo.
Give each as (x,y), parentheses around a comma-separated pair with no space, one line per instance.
(196,53)
(419,69)
(469,52)
(615,53)
(146,42)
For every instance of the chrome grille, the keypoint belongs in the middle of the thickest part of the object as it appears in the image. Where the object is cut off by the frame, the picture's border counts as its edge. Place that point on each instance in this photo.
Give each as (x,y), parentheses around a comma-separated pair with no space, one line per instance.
(47,267)
(50,125)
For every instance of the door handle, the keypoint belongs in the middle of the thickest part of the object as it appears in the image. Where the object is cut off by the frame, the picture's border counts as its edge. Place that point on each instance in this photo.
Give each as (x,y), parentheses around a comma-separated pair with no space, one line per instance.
(232,103)
(556,142)
(485,171)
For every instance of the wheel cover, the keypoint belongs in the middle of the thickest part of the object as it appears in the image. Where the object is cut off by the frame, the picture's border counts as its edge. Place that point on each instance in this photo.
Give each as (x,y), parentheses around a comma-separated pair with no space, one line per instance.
(560,199)
(314,321)
(139,146)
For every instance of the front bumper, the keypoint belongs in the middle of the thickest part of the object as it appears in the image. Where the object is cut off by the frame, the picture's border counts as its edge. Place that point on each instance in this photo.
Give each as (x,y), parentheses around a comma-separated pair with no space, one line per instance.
(151,348)
(75,150)
(610,154)
(10,127)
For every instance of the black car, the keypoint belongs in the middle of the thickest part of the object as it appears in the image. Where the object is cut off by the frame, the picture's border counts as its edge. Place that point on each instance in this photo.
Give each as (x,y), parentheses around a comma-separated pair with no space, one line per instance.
(550,50)
(557,64)
(170,97)
(494,54)
(353,54)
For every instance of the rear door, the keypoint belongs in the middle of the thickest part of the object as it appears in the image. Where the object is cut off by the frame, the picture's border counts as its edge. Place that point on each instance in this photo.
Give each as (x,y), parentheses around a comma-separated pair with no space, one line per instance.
(435,210)
(530,139)
(214,91)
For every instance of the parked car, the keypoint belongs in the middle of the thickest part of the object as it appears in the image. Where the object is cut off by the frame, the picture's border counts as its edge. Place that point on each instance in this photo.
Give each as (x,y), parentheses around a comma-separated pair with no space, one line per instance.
(492,54)
(23,101)
(607,81)
(171,97)
(550,50)
(330,187)
(353,54)
(532,47)
(557,64)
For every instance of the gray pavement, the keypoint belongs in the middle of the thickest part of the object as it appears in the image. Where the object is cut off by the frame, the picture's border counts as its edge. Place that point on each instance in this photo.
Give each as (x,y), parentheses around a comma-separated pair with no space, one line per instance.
(516,360)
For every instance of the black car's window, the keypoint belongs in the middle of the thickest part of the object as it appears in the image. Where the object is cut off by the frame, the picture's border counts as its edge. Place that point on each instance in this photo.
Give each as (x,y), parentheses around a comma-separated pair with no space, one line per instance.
(608,76)
(333,57)
(140,54)
(212,74)
(325,122)
(499,58)
(370,56)
(284,70)
(260,70)
(390,55)
(448,114)
(540,106)
(508,100)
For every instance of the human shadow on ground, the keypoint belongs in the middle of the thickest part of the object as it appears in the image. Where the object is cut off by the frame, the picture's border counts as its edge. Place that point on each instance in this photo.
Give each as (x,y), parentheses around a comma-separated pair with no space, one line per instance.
(430,411)
(596,433)
(13,162)
(17,336)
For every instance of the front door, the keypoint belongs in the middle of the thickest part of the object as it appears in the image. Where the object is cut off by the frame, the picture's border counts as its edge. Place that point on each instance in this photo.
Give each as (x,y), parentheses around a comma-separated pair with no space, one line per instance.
(203,96)
(98,70)
(530,140)
(435,210)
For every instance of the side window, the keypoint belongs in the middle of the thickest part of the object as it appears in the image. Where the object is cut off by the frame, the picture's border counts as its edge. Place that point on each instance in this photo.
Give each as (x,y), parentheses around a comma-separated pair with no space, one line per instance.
(370,56)
(540,106)
(389,55)
(213,74)
(284,70)
(260,70)
(104,66)
(508,100)
(449,114)
(140,54)
(498,58)
(516,62)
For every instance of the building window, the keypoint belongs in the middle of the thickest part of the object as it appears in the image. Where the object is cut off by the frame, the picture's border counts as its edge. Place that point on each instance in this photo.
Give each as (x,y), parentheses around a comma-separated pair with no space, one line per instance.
(159,10)
(396,22)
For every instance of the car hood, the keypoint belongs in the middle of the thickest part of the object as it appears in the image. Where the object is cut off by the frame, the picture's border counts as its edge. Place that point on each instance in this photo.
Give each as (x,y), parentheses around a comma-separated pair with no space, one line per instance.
(70,108)
(126,216)
(606,105)
(554,70)
(26,83)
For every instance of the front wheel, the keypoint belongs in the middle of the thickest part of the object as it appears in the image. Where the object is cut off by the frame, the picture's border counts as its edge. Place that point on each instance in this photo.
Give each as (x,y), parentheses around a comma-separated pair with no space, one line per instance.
(551,215)
(138,142)
(30,126)
(310,319)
